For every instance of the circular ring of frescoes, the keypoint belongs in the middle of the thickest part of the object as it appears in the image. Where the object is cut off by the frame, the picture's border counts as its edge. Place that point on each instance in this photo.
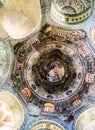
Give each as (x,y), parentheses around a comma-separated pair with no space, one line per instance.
(75,73)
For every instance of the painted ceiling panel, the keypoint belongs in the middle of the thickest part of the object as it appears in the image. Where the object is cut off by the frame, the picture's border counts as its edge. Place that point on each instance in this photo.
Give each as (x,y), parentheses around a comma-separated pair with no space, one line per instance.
(47,61)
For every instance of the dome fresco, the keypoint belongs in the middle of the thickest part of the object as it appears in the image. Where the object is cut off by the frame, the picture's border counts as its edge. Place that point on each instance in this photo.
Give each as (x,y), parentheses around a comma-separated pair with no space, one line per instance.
(46,124)
(47,65)
(47,69)
(71,12)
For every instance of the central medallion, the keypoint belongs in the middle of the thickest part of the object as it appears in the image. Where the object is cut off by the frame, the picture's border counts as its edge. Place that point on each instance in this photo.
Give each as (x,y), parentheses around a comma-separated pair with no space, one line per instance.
(52,69)
(53,72)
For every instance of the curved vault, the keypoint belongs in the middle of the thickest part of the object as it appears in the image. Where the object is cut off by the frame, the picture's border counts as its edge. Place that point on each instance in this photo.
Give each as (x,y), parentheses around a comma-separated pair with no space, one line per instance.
(19,18)
(5,60)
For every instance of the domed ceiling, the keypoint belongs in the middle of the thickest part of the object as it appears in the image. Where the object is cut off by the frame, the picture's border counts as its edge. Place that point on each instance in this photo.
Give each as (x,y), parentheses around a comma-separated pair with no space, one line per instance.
(71,12)
(47,65)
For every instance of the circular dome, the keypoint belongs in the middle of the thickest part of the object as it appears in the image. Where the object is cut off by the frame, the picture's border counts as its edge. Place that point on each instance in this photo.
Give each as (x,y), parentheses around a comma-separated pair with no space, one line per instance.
(71,12)
(52,73)
(46,124)
(11,112)
(19,18)
(48,67)
(86,121)
(5,60)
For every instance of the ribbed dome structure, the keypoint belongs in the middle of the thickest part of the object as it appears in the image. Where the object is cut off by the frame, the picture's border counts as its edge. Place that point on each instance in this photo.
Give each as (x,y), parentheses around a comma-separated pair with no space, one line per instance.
(71,12)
